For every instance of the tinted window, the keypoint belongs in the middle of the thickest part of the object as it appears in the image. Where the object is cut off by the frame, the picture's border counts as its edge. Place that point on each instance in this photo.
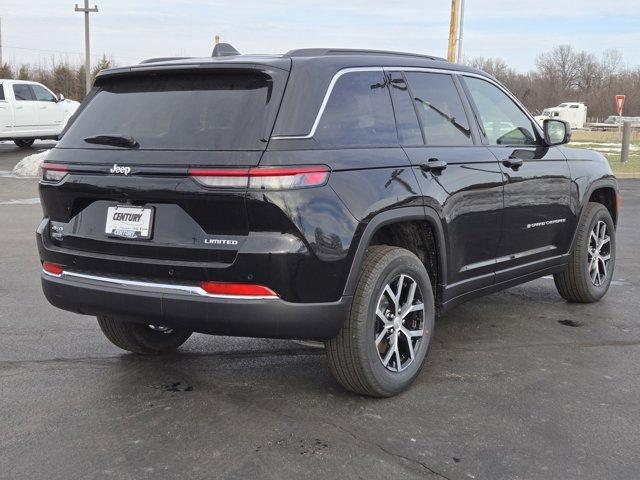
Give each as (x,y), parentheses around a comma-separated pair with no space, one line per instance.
(208,111)
(42,94)
(1,92)
(408,127)
(442,115)
(358,112)
(503,121)
(22,92)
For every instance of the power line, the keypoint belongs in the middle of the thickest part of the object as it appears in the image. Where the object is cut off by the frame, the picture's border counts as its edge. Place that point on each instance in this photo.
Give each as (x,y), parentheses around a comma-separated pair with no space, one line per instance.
(66,52)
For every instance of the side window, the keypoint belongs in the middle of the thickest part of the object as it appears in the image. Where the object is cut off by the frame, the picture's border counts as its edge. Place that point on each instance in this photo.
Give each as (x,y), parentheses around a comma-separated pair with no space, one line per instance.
(439,106)
(358,112)
(503,121)
(22,92)
(409,132)
(42,94)
(2,92)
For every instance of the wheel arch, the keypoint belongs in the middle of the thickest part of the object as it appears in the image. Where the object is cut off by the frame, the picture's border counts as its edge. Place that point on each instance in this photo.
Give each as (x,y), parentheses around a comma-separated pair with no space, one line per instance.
(387,225)
(604,191)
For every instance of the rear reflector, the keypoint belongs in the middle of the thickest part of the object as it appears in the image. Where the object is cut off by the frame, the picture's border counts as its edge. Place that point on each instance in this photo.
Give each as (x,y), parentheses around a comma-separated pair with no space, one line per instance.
(239,289)
(262,178)
(54,172)
(52,268)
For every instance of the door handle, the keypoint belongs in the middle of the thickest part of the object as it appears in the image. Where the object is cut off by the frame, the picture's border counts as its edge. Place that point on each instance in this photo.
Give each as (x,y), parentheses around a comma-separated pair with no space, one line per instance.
(42,108)
(433,164)
(513,163)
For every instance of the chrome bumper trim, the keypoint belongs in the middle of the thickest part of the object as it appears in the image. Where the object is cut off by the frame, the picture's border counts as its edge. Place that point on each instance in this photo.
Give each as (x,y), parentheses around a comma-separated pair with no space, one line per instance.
(158,287)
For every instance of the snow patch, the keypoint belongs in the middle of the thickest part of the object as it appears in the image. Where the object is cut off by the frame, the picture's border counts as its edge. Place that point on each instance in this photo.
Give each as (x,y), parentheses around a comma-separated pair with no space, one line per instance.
(30,165)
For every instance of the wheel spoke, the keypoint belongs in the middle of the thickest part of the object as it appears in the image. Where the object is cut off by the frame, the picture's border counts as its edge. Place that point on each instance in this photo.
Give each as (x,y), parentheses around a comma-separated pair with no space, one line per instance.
(399,292)
(412,333)
(387,357)
(409,344)
(392,296)
(413,308)
(382,335)
(604,268)
(606,258)
(398,361)
(383,318)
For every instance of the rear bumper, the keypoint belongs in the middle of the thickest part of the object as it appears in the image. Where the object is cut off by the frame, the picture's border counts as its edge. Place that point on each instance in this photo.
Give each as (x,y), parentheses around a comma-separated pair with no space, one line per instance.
(188,309)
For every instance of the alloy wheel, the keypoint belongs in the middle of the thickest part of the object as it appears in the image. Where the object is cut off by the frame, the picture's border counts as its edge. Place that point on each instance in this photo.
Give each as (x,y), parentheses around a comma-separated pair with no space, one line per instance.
(399,325)
(599,253)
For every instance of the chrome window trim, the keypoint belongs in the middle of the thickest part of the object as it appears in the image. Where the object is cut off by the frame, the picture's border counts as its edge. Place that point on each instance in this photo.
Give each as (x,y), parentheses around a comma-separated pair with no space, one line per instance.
(344,71)
(158,287)
(325,100)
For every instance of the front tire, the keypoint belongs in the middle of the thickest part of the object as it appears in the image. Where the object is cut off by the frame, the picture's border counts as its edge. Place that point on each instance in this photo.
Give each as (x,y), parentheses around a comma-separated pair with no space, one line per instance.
(588,275)
(141,338)
(24,142)
(383,344)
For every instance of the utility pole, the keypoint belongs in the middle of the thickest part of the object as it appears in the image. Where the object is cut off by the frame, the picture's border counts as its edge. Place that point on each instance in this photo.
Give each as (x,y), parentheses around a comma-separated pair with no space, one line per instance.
(87,49)
(453,30)
(460,32)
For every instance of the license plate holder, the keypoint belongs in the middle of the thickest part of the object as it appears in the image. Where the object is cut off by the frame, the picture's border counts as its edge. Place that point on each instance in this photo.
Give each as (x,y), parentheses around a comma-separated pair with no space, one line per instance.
(129,222)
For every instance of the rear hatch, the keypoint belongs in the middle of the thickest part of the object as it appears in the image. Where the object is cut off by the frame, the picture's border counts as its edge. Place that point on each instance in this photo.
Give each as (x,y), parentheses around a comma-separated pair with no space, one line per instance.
(125,161)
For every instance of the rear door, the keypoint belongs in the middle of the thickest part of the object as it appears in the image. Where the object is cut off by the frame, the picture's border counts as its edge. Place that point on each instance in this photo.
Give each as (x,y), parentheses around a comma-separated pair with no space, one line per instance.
(458,176)
(26,119)
(196,134)
(6,118)
(538,221)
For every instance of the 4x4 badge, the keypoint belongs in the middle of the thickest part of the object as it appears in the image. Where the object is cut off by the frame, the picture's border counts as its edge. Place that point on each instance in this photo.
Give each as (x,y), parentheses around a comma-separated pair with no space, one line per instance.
(118,169)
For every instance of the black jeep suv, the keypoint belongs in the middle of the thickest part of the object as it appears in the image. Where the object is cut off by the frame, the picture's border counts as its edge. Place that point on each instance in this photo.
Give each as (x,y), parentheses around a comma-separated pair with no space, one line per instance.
(335,195)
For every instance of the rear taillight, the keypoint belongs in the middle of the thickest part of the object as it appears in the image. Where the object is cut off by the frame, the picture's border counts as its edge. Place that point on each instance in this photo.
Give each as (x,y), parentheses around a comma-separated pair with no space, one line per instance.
(52,268)
(262,178)
(54,172)
(237,289)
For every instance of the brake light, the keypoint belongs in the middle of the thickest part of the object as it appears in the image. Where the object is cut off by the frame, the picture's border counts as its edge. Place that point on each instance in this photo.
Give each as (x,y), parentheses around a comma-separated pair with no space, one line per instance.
(52,268)
(54,172)
(241,289)
(262,178)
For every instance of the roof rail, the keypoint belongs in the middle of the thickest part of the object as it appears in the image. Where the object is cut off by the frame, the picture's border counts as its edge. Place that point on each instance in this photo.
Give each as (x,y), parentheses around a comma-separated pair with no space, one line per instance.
(318,52)
(224,50)
(162,59)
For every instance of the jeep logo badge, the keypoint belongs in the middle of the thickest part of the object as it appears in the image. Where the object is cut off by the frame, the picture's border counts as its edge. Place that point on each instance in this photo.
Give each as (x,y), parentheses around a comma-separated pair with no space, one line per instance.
(118,169)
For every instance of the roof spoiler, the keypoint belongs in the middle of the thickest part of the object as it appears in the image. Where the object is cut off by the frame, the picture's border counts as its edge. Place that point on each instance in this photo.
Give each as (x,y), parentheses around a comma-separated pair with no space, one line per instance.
(224,50)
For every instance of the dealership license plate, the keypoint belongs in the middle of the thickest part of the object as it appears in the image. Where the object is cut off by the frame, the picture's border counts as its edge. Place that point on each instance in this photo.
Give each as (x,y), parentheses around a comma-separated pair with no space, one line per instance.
(129,222)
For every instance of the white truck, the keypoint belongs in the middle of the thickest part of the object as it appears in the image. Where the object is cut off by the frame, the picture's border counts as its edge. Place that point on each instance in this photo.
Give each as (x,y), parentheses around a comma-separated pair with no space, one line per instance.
(573,112)
(30,111)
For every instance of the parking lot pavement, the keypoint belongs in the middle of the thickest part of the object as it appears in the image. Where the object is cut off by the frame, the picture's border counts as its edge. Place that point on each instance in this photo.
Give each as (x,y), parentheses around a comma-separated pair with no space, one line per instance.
(518,385)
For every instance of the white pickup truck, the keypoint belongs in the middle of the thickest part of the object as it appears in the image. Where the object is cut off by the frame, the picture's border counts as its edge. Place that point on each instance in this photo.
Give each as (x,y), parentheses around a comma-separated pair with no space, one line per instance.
(30,111)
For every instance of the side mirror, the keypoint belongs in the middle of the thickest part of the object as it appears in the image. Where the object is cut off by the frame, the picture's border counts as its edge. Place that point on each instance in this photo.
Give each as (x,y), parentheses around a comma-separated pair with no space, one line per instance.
(556,132)
(60,97)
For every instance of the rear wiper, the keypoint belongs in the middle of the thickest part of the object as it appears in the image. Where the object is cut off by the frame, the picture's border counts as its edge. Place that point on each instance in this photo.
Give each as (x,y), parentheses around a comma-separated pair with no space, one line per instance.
(115,140)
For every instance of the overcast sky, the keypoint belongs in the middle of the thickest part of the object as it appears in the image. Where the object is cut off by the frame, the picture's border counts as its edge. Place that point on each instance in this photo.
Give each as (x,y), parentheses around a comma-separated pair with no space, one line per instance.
(130,30)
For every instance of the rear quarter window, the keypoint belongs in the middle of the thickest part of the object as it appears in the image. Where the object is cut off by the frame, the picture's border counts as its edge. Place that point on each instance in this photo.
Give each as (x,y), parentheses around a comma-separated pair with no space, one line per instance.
(358,113)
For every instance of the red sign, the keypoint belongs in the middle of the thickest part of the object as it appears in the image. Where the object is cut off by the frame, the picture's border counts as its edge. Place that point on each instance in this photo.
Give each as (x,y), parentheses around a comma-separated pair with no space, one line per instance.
(620,103)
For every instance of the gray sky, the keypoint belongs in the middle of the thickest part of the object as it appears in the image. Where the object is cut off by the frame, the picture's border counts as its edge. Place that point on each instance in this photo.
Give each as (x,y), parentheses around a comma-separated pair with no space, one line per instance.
(35,30)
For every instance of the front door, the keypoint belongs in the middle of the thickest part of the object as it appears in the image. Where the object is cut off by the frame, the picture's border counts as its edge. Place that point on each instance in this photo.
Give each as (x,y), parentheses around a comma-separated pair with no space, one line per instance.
(538,220)
(458,176)
(49,111)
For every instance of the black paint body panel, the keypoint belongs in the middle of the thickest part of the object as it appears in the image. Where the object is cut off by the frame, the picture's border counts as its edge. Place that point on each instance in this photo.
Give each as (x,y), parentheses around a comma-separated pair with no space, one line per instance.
(308,244)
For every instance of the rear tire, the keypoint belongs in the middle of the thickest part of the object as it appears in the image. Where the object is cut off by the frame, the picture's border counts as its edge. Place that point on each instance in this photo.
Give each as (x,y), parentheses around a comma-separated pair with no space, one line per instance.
(383,343)
(588,275)
(141,338)
(24,142)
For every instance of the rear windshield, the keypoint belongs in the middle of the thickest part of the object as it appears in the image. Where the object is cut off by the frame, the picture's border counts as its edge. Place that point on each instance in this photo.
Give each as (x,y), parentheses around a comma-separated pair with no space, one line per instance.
(179,111)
